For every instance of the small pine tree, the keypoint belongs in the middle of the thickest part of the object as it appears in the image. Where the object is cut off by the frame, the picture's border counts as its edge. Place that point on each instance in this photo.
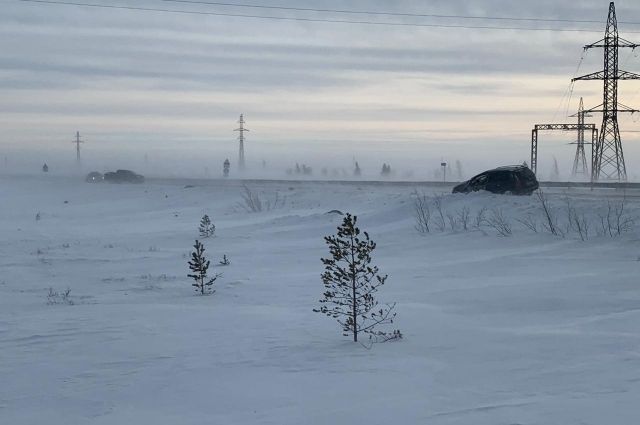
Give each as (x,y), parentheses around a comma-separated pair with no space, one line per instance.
(199,265)
(225,168)
(225,261)
(350,284)
(207,228)
(385,171)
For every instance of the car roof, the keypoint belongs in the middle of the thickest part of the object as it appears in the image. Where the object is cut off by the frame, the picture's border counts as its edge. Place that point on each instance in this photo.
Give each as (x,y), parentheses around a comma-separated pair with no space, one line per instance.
(503,168)
(510,168)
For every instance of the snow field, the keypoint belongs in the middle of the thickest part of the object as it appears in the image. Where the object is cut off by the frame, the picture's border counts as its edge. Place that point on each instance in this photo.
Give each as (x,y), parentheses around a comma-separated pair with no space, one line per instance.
(526,329)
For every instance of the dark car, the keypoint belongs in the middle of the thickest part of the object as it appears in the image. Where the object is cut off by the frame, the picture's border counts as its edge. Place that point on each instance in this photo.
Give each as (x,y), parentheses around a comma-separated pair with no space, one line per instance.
(94,177)
(515,179)
(123,176)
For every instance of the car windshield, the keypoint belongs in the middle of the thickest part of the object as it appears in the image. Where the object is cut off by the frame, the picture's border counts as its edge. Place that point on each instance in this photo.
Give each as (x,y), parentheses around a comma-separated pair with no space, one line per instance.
(481,179)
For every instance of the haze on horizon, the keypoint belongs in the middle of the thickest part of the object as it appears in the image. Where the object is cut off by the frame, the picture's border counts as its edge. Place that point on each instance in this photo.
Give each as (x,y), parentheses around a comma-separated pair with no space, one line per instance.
(170,87)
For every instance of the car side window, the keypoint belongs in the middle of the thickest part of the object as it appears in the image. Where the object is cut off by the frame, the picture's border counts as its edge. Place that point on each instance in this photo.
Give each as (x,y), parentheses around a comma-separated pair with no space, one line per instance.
(501,177)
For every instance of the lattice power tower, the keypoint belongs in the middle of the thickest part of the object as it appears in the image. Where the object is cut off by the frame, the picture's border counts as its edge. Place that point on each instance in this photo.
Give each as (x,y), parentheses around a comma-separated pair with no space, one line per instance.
(77,142)
(580,160)
(241,129)
(608,158)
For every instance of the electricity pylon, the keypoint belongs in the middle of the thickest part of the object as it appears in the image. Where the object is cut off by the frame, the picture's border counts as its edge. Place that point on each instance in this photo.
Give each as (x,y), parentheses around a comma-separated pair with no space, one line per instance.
(608,156)
(580,161)
(77,142)
(241,129)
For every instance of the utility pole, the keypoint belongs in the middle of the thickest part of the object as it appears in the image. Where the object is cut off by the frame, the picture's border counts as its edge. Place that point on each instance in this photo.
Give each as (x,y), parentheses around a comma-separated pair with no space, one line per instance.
(77,142)
(241,129)
(608,156)
(580,161)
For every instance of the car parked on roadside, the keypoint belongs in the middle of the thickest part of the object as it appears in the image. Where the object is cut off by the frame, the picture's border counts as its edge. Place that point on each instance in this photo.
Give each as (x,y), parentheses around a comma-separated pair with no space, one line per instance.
(94,177)
(123,176)
(513,179)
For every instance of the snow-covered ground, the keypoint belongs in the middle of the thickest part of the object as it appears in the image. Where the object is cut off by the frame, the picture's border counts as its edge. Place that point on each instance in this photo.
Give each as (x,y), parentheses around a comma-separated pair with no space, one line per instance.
(525,329)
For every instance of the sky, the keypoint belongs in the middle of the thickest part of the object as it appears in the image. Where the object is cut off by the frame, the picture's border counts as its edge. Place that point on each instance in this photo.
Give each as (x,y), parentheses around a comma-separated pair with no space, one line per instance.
(163,91)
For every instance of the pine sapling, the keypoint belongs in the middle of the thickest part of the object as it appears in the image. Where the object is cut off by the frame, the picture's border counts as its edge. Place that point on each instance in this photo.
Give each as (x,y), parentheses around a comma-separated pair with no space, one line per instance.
(350,283)
(225,261)
(207,228)
(199,265)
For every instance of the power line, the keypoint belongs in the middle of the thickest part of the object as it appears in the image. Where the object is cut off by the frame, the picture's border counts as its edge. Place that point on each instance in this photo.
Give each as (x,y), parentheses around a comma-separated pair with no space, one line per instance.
(287,18)
(400,14)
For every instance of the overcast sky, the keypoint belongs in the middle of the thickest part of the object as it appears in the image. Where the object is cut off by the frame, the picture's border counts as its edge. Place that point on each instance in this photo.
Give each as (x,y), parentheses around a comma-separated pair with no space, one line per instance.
(173,85)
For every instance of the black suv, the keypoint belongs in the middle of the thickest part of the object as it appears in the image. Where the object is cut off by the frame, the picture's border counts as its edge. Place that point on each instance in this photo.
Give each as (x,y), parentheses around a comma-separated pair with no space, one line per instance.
(94,177)
(514,179)
(123,176)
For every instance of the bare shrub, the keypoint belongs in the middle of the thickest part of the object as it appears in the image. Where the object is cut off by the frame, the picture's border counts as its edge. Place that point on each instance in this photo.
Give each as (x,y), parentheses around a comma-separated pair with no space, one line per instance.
(602,229)
(440,222)
(55,297)
(622,221)
(616,221)
(428,218)
(581,225)
(499,222)
(569,209)
(452,222)
(253,202)
(422,212)
(550,221)
(463,218)
(480,219)
(529,222)
(577,222)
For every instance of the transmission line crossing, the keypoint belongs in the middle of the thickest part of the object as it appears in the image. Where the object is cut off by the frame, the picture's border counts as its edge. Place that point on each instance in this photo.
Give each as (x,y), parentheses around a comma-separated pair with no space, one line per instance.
(303,19)
(379,13)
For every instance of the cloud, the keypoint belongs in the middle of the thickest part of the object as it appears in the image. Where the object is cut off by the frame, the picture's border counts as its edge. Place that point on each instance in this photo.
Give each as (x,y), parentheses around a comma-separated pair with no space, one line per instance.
(118,72)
